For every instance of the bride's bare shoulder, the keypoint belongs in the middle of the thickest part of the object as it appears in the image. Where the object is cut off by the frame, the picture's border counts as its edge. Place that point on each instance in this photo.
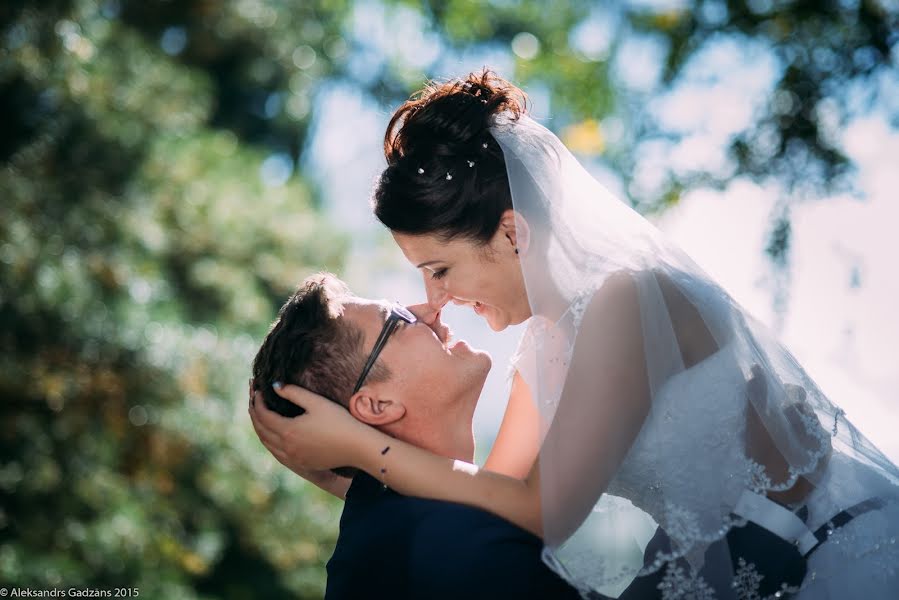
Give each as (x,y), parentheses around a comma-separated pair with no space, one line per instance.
(617,297)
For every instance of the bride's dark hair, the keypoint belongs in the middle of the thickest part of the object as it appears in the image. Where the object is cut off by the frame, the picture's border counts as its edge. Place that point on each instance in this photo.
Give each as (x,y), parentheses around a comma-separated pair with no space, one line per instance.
(445,173)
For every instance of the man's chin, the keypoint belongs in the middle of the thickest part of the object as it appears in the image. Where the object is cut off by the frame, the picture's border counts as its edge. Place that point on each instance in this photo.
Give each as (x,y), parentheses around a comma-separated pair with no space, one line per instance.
(462,349)
(482,377)
(486,363)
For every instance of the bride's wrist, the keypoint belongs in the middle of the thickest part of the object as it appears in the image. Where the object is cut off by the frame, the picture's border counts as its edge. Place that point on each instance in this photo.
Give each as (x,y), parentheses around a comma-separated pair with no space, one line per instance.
(369,451)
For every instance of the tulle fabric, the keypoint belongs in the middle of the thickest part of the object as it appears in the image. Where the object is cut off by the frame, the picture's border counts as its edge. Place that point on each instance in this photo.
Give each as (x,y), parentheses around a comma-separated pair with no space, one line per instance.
(731,412)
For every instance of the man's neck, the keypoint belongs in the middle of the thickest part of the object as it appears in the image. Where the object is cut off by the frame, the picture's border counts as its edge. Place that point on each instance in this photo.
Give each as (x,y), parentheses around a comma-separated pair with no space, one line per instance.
(462,447)
(451,437)
(455,443)
(456,439)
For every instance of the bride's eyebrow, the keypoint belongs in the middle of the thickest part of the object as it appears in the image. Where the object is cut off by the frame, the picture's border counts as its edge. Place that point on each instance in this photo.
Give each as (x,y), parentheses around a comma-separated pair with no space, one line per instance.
(425,264)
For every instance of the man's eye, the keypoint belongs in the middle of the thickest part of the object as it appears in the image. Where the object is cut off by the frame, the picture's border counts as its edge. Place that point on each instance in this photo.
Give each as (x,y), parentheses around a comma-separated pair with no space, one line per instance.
(401,325)
(439,274)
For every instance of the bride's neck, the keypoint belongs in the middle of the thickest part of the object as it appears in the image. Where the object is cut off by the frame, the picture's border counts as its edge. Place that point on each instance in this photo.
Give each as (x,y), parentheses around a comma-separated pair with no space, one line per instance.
(547,302)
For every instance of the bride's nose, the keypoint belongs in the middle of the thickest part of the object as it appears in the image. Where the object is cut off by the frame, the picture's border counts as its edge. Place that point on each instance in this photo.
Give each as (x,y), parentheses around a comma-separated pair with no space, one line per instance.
(437,296)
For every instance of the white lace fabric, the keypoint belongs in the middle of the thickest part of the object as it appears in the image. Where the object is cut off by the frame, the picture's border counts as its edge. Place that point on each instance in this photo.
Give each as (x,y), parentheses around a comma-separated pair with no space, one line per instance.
(730,409)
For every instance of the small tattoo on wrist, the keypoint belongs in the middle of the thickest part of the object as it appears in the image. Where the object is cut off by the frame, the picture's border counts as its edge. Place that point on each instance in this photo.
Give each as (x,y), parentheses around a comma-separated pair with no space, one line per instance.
(385,450)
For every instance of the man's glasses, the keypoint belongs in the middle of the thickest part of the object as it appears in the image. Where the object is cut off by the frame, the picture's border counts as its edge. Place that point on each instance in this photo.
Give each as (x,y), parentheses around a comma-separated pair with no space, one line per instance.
(397,313)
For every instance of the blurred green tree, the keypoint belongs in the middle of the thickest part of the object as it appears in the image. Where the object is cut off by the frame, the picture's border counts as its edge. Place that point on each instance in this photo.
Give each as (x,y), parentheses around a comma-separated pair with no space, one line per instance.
(152,225)
(835,60)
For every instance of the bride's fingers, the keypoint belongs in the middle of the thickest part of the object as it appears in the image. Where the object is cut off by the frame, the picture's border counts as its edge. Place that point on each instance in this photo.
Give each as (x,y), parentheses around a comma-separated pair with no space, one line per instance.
(266,435)
(302,397)
(269,418)
(261,425)
(274,449)
(255,395)
(280,455)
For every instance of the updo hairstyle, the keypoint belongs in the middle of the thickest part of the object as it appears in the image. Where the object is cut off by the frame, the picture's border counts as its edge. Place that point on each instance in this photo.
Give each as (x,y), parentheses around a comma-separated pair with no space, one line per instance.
(445,172)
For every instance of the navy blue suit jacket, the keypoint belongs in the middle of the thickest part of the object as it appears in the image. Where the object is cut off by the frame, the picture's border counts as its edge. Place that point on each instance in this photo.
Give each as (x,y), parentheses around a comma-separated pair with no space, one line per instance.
(393,546)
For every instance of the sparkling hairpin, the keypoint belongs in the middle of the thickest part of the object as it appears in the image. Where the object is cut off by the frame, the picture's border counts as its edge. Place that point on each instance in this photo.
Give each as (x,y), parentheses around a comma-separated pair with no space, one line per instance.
(448,176)
(470,163)
(420,171)
(484,145)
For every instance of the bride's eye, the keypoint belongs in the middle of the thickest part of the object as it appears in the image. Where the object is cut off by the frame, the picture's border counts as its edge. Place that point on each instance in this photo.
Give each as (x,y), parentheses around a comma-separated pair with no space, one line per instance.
(439,274)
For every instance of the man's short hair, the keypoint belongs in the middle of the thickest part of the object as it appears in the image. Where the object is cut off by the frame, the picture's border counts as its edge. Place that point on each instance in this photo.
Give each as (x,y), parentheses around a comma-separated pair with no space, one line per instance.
(311,345)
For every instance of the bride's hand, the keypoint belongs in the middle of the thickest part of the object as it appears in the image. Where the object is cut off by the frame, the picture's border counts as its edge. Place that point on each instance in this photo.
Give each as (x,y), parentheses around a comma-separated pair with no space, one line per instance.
(321,438)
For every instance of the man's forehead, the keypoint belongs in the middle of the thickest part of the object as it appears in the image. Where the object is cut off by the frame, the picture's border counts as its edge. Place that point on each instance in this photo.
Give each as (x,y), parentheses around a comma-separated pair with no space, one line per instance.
(368,309)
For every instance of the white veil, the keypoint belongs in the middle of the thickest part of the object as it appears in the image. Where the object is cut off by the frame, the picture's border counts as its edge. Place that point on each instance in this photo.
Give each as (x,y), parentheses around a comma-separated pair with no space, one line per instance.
(732,418)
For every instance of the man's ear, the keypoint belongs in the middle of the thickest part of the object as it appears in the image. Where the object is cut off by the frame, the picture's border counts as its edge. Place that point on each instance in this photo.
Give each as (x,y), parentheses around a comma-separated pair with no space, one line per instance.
(368,406)
(515,229)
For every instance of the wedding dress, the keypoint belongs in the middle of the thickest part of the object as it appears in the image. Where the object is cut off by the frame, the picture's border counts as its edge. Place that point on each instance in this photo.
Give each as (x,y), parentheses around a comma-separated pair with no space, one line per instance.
(736,434)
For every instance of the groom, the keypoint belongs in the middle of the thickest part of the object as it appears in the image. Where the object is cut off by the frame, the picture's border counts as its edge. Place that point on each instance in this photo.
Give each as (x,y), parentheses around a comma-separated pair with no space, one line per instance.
(418,389)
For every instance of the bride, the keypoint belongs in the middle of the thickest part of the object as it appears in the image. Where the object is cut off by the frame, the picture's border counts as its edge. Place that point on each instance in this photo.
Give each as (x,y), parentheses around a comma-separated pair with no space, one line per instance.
(640,388)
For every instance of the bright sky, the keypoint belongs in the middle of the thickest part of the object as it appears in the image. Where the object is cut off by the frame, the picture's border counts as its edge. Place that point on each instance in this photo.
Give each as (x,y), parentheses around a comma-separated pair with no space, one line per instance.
(843,335)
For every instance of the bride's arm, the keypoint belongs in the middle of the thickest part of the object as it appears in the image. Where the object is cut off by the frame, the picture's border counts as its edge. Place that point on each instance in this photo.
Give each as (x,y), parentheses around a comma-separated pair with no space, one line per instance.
(603,405)
(331,482)
(518,441)
(413,471)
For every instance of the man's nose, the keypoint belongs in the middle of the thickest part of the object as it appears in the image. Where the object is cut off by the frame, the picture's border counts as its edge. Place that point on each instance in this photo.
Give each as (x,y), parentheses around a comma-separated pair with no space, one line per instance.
(437,296)
(425,314)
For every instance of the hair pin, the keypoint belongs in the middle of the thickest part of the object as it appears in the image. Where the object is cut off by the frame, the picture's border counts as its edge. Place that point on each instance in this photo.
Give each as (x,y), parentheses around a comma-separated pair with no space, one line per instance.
(420,171)
(470,163)
(448,176)
(484,145)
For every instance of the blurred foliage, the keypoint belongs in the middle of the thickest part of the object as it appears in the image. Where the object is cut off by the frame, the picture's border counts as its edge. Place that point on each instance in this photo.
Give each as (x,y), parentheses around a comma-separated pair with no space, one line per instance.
(835,59)
(155,215)
(147,240)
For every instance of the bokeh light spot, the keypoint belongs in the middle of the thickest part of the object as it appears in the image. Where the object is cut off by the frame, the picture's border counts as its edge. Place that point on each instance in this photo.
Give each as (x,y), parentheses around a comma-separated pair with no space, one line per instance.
(138,415)
(276,169)
(173,40)
(526,45)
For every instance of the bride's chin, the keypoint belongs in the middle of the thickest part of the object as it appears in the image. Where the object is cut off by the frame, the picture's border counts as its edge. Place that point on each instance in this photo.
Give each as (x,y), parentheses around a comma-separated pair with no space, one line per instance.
(496,324)
(503,321)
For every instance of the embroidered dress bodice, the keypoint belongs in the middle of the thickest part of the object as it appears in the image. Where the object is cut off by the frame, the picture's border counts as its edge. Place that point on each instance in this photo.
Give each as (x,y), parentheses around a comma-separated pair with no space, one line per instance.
(698,415)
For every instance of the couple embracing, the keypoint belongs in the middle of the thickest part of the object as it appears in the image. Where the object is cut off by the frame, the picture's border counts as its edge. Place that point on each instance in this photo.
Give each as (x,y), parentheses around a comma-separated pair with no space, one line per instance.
(641,390)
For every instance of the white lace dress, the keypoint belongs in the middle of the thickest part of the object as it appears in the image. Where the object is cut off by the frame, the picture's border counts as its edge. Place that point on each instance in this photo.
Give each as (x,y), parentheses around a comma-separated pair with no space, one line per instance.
(699,417)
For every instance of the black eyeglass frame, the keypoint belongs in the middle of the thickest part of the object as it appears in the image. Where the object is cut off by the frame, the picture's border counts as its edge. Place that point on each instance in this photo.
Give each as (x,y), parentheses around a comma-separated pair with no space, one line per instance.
(397,313)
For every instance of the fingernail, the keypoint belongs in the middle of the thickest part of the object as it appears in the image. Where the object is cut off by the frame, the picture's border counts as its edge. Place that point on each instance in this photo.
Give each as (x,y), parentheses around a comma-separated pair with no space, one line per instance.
(277,385)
